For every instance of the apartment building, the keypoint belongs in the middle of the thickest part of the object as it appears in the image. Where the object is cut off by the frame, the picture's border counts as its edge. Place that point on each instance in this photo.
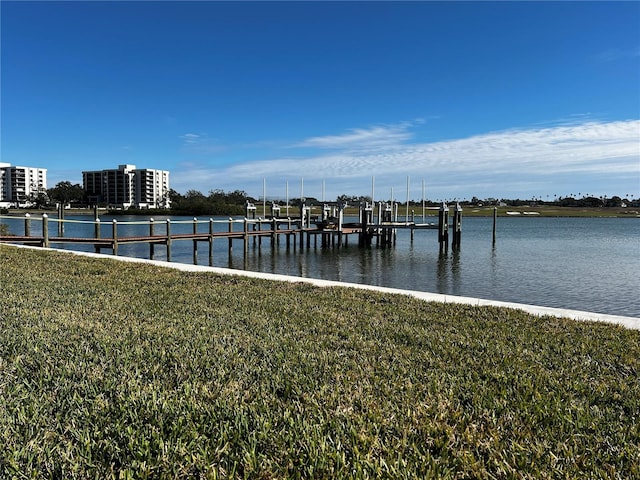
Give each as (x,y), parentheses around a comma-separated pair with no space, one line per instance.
(20,186)
(128,186)
(151,188)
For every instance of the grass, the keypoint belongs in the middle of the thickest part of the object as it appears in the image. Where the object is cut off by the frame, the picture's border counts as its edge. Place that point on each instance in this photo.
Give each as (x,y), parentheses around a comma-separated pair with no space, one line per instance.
(119,370)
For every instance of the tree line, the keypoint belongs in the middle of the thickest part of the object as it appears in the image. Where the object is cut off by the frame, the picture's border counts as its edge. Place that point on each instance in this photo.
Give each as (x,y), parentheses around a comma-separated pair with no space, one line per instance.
(219,202)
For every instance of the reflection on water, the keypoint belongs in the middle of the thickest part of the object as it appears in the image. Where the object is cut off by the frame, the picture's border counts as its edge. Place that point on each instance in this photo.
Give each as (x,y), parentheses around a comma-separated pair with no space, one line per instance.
(577,263)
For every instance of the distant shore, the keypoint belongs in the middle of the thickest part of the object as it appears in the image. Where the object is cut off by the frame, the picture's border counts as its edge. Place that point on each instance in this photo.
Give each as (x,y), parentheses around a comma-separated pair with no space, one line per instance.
(468,211)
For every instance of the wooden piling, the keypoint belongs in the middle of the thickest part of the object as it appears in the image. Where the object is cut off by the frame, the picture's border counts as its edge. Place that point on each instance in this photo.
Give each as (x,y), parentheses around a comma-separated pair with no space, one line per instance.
(443,227)
(96,226)
(364,223)
(61,220)
(413,222)
(168,239)
(114,235)
(27,224)
(211,242)
(195,242)
(96,233)
(45,230)
(151,244)
(274,232)
(245,238)
(457,227)
(495,217)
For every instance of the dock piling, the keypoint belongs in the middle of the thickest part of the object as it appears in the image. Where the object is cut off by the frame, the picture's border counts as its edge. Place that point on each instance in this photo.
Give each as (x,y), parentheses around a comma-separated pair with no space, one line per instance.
(443,227)
(168,239)
(210,242)
(151,244)
(457,227)
(27,224)
(45,230)
(114,235)
(195,241)
(96,233)
(245,237)
(495,217)
(61,219)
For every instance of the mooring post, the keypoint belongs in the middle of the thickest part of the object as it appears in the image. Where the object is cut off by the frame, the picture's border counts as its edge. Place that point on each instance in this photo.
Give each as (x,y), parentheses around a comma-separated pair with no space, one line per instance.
(457,226)
(395,219)
(301,237)
(195,241)
(96,227)
(61,220)
(245,237)
(302,221)
(364,223)
(495,217)
(168,239)
(443,227)
(230,239)
(341,208)
(255,227)
(97,234)
(152,250)
(45,230)
(114,235)
(274,232)
(27,224)
(211,242)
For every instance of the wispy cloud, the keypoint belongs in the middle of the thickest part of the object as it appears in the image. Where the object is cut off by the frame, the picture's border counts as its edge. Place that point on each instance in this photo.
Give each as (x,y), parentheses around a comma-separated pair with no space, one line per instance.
(190,138)
(200,143)
(537,158)
(614,54)
(358,138)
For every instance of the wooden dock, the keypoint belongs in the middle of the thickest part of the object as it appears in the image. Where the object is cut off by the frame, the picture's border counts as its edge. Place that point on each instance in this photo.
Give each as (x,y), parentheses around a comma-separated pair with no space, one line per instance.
(330,230)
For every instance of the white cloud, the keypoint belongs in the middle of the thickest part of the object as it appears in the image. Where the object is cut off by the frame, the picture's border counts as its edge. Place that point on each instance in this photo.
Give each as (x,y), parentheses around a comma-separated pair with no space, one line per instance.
(190,138)
(358,138)
(553,159)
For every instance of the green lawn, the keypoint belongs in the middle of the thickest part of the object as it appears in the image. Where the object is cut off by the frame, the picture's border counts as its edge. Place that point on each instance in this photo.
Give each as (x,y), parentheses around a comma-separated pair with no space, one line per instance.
(120,370)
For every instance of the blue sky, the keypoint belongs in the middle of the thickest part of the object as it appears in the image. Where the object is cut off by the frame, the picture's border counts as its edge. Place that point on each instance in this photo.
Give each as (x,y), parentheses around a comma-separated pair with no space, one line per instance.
(487,99)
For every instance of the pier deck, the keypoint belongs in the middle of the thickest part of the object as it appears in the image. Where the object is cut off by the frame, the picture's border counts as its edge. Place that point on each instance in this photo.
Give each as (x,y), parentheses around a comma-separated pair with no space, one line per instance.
(300,230)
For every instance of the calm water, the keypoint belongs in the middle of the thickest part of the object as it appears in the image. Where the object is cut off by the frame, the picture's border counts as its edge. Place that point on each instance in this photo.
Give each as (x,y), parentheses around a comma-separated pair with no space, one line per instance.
(590,264)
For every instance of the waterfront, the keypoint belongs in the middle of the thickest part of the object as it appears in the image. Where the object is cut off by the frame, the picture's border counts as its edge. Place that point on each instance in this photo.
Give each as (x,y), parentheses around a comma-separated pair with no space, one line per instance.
(589,264)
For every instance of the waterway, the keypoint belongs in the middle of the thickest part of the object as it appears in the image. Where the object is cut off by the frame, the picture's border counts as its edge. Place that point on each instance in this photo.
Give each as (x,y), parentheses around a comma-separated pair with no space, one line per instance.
(590,264)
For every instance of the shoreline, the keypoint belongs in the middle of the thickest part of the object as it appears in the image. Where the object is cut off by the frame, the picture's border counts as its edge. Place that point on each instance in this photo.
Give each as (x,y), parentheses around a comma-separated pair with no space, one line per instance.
(468,211)
(632,323)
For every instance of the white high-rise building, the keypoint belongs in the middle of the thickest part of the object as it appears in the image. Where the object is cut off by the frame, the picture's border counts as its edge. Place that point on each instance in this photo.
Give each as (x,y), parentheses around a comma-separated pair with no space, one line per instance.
(128,186)
(20,186)
(151,188)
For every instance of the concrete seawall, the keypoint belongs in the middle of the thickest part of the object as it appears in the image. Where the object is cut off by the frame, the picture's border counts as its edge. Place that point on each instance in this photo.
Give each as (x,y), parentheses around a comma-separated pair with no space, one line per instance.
(627,322)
